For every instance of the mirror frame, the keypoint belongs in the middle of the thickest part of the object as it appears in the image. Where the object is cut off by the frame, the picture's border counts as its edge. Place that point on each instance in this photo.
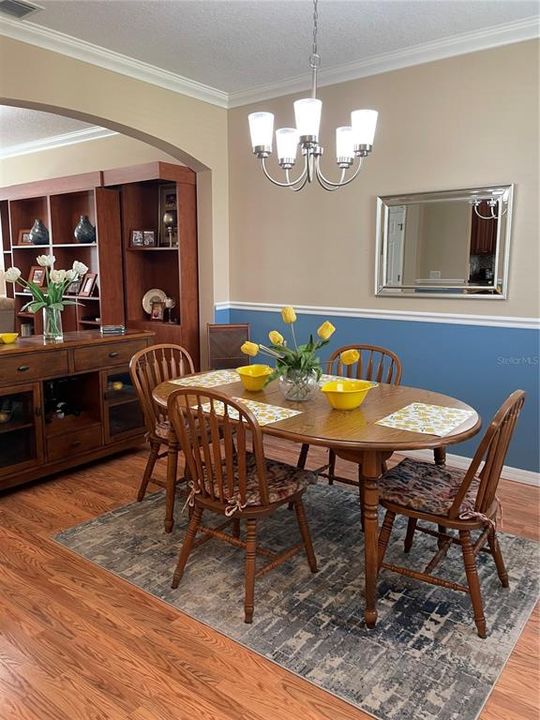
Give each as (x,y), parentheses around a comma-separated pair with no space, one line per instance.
(502,260)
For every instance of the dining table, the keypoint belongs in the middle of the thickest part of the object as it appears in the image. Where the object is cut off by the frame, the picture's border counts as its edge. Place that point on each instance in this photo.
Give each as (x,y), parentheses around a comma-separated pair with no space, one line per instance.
(353,435)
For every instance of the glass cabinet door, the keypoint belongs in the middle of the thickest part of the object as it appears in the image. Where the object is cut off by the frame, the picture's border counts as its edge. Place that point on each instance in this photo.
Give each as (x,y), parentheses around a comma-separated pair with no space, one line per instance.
(123,413)
(21,442)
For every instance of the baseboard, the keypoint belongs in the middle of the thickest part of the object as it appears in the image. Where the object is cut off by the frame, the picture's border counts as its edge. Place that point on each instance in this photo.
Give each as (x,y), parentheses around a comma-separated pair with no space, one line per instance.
(526,477)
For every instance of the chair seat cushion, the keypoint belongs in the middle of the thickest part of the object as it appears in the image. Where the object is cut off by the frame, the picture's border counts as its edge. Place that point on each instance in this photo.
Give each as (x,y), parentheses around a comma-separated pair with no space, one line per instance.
(162,429)
(425,487)
(283,481)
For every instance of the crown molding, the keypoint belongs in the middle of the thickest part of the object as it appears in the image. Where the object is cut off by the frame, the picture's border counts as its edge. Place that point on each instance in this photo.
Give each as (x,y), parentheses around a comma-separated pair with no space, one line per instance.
(518,31)
(47,39)
(523,323)
(56,141)
(43,37)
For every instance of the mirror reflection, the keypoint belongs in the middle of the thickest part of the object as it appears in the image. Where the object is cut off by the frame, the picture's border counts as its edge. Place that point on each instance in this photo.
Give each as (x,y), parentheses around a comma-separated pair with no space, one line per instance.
(454,242)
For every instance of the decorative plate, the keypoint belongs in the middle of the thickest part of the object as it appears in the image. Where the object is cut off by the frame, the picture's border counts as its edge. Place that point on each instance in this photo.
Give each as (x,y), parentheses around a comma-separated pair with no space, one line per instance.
(154,295)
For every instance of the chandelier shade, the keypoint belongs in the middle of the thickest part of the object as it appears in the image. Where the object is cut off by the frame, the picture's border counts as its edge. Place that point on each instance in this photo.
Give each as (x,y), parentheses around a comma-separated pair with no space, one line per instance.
(261,128)
(354,142)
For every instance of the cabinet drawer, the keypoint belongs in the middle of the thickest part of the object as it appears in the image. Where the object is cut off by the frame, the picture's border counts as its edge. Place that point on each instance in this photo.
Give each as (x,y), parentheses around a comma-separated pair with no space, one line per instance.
(61,446)
(108,355)
(33,366)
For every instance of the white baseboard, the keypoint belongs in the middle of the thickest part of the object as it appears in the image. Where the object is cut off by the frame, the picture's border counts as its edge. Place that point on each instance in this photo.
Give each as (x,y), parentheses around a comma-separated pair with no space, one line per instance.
(526,477)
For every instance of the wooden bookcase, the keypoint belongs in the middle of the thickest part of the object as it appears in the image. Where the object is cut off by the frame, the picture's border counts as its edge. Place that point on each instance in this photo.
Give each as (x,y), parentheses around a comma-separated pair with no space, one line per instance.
(171,269)
(59,203)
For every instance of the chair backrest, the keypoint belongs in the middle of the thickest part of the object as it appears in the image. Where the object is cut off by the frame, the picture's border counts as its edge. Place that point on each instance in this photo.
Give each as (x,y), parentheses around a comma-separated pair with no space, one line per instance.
(376,363)
(492,451)
(224,342)
(216,433)
(152,366)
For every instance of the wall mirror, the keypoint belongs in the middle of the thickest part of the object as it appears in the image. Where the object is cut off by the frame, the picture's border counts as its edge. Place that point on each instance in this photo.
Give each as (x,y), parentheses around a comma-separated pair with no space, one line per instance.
(453,243)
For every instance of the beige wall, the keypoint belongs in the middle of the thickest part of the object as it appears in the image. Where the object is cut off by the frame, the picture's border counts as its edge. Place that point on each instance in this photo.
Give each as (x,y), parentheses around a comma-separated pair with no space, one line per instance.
(101,154)
(190,130)
(441,125)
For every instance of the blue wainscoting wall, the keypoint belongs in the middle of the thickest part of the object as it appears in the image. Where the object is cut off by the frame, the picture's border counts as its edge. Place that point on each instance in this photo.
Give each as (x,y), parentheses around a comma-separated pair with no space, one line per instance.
(477,364)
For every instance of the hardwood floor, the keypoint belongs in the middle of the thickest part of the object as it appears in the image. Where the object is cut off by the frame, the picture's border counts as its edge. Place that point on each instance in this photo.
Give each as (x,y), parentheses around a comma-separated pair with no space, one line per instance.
(77,643)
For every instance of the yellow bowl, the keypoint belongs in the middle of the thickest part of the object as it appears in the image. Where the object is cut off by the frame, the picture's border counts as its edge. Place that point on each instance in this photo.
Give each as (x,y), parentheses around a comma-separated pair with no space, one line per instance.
(254,377)
(346,394)
(8,338)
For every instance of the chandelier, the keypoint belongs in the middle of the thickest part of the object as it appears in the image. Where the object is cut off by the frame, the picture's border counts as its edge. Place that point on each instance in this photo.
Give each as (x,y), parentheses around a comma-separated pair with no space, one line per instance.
(353,143)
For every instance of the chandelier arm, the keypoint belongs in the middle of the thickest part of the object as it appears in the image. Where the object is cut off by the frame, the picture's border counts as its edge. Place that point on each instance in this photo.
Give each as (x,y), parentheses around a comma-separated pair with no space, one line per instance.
(289,183)
(297,186)
(485,217)
(342,182)
(501,214)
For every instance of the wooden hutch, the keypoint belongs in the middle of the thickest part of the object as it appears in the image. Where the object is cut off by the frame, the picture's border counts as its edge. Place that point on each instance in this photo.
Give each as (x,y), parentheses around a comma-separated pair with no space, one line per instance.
(117,202)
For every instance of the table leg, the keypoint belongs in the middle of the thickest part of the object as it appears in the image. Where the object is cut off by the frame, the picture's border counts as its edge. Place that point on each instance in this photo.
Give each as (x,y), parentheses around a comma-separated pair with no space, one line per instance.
(172,469)
(371,466)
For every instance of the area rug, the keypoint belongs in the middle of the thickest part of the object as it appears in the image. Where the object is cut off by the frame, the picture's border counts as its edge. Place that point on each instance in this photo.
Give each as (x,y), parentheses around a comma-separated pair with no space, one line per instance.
(423,661)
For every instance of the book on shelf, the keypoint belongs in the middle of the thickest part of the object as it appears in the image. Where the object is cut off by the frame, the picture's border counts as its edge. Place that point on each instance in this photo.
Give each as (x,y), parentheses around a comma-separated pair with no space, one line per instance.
(112,329)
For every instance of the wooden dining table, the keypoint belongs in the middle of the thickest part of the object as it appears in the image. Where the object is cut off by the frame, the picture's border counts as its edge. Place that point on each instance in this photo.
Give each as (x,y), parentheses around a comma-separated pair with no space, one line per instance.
(354,436)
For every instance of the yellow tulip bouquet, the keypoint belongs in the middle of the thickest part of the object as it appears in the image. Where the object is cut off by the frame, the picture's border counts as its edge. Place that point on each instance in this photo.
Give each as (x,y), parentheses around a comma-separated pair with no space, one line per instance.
(298,367)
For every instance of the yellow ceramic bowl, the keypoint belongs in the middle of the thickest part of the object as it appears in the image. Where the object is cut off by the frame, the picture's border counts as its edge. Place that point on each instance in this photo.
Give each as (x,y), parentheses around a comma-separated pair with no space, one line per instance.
(254,377)
(346,394)
(8,338)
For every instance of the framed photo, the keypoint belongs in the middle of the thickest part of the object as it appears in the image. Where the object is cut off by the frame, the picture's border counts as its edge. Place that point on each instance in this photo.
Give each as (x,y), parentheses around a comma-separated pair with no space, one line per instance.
(37,275)
(149,238)
(137,238)
(168,216)
(158,309)
(74,288)
(24,238)
(88,284)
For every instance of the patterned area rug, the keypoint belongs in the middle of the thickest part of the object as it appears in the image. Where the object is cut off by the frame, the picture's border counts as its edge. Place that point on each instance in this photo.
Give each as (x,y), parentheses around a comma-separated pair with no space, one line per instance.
(423,660)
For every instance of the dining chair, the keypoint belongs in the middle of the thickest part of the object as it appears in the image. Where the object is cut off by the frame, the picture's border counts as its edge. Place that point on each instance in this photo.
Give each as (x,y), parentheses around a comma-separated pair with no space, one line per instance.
(224,342)
(454,500)
(226,478)
(374,363)
(148,368)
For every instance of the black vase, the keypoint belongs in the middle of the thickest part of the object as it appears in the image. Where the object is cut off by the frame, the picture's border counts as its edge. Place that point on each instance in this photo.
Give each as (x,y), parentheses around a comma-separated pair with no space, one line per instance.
(85,232)
(39,235)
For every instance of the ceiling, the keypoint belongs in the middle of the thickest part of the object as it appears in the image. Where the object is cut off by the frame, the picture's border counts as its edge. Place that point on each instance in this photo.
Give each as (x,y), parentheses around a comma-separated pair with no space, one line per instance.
(242,50)
(19,126)
(237,45)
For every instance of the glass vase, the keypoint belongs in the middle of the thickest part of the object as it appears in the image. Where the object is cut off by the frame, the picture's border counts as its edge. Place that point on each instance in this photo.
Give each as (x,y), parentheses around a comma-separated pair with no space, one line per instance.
(52,325)
(298,385)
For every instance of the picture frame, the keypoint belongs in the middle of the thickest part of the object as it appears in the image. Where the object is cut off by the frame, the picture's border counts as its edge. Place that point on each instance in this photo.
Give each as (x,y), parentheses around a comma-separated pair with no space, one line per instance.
(88,284)
(158,309)
(23,237)
(149,238)
(37,275)
(168,216)
(74,287)
(137,238)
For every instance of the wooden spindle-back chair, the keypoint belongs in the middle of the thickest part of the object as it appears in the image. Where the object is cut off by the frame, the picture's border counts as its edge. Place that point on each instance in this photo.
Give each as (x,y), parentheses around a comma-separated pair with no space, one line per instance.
(375,363)
(148,368)
(453,500)
(229,475)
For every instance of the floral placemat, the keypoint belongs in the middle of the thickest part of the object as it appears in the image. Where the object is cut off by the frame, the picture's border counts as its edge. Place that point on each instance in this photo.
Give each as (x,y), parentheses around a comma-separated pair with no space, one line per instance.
(209,379)
(264,412)
(429,419)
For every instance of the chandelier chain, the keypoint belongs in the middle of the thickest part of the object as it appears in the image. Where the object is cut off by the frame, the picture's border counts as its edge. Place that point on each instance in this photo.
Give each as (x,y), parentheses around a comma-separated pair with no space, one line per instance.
(315,26)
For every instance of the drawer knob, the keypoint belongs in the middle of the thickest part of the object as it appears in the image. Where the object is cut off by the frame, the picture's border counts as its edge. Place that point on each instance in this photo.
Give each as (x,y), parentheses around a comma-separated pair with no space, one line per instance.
(76,443)
(113,354)
(23,368)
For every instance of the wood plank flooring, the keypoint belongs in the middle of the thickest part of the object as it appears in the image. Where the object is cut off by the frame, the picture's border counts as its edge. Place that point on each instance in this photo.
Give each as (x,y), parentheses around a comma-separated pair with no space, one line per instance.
(77,643)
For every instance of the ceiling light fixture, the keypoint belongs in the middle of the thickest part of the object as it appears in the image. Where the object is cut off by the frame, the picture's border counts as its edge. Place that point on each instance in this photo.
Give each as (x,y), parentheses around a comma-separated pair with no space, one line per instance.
(353,143)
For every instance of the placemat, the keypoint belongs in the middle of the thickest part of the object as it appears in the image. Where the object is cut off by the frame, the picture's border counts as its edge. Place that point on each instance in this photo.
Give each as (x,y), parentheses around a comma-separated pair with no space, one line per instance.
(209,379)
(264,412)
(429,419)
